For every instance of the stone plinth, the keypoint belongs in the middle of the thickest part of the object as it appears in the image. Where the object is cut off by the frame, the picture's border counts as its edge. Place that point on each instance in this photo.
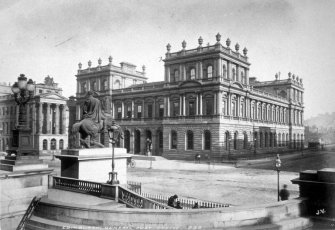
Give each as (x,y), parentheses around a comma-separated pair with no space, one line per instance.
(319,189)
(93,164)
(18,188)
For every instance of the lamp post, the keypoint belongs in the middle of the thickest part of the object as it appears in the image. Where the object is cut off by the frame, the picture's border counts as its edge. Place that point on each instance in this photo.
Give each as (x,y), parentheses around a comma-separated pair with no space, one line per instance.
(114,134)
(278,165)
(23,92)
(255,145)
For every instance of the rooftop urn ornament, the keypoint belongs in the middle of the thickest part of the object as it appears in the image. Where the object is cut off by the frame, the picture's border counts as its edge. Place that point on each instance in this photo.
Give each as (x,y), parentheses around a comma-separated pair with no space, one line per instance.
(297,78)
(289,74)
(218,37)
(200,41)
(99,61)
(245,51)
(301,80)
(110,59)
(80,65)
(168,47)
(237,47)
(228,42)
(89,64)
(293,77)
(143,68)
(183,44)
(276,76)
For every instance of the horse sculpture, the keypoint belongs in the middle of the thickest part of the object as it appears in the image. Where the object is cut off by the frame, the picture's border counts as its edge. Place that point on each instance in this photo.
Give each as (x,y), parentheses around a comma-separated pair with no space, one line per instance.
(93,123)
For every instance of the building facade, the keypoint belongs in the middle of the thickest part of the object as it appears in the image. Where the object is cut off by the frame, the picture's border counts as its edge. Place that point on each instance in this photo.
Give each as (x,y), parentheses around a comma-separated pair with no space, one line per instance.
(47,114)
(208,104)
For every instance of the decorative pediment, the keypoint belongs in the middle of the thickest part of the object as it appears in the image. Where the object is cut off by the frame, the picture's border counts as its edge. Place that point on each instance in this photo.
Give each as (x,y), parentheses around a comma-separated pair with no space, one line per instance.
(238,85)
(53,96)
(190,83)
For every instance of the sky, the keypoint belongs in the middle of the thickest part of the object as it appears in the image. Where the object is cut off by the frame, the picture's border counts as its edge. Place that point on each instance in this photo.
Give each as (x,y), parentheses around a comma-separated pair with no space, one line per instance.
(40,38)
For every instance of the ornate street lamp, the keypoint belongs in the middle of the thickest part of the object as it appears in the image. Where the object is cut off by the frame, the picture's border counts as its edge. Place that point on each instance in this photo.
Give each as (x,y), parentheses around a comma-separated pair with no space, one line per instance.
(23,92)
(114,135)
(278,165)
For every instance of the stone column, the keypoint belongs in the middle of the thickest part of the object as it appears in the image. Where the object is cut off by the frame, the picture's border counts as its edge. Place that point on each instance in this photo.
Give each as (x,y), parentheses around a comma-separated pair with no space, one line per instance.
(132,108)
(215,104)
(184,72)
(219,102)
(122,109)
(197,105)
(48,119)
(168,106)
(180,105)
(168,74)
(40,118)
(201,109)
(113,110)
(220,68)
(33,122)
(57,118)
(64,120)
(200,70)
(184,105)
(247,76)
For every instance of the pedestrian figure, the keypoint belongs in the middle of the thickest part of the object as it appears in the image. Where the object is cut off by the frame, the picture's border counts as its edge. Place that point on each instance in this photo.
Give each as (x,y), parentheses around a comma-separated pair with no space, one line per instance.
(196,205)
(284,193)
(178,205)
(172,200)
(197,158)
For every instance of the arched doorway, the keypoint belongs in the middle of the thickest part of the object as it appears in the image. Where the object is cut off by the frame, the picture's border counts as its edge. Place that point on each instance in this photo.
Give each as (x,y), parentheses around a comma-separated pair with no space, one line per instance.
(127,140)
(137,140)
(148,139)
(53,144)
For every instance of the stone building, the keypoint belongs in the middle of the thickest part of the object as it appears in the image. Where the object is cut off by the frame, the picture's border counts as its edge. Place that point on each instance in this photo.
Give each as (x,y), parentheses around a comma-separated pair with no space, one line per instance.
(103,79)
(207,104)
(47,114)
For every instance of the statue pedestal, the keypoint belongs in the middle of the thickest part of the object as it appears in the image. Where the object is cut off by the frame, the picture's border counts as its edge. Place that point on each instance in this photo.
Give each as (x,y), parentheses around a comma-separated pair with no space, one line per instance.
(94,164)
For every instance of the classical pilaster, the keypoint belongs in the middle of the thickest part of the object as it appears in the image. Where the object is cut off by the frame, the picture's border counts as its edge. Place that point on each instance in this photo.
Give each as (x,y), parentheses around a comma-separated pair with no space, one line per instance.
(197,105)
(201,108)
(219,68)
(168,74)
(200,70)
(132,108)
(48,119)
(184,105)
(228,71)
(57,118)
(215,104)
(40,118)
(184,72)
(168,106)
(181,105)
(122,109)
(64,120)
(219,102)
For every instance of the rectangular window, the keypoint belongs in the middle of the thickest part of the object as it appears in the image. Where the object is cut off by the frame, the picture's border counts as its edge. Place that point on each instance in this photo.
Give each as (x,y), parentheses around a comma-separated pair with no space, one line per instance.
(129,111)
(119,112)
(191,108)
(175,107)
(209,107)
(139,111)
(150,110)
(161,110)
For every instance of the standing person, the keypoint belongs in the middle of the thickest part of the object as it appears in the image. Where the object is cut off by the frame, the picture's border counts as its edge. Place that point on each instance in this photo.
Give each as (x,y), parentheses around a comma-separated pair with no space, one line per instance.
(172,200)
(284,193)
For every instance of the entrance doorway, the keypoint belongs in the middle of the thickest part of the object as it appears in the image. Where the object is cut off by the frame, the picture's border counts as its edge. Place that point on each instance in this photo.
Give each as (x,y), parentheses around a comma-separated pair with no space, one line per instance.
(137,140)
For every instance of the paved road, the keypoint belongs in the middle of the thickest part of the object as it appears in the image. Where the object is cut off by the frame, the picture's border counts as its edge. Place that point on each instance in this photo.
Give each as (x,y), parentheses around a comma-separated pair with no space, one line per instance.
(313,161)
(225,184)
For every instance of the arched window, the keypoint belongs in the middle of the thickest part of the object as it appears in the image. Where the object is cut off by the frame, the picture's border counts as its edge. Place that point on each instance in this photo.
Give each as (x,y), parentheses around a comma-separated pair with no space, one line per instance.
(104,85)
(234,74)
(210,71)
(83,87)
(245,141)
(45,144)
(53,144)
(189,139)
(61,144)
(176,75)
(94,85)
(261,141)
(207,140)
(192,74)
(174,139)
(227,136)
(224,71)
(235,140)
(117,84)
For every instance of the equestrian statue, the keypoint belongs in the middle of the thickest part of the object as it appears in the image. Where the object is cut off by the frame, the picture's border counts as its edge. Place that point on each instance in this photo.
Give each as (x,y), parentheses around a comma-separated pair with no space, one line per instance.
(94,121)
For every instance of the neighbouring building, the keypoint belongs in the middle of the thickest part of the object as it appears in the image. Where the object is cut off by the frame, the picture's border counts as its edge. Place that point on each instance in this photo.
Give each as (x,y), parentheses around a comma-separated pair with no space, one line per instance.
(47,114)
(206,104)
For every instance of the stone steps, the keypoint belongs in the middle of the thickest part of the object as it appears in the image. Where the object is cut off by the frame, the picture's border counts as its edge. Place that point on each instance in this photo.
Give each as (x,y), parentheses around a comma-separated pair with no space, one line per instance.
(39,223)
